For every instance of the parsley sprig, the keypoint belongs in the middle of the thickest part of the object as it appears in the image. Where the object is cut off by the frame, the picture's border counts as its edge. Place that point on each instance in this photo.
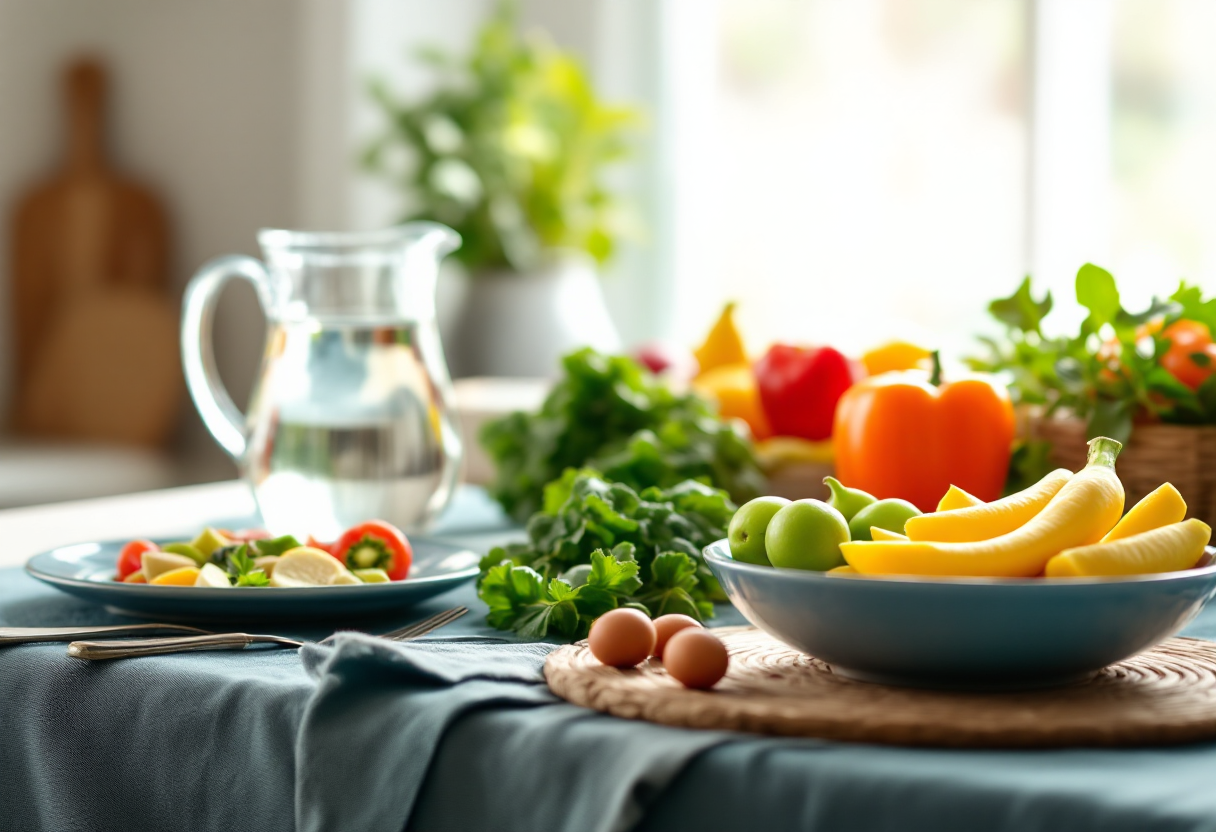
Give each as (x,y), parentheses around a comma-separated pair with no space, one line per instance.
(242,571)
(644,551)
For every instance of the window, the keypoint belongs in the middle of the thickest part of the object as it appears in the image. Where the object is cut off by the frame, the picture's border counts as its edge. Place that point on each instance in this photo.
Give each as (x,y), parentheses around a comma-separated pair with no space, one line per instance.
(852,171)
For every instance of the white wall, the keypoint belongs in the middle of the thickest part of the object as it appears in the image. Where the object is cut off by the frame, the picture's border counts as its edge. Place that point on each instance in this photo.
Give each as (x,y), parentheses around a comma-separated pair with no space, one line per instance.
(203,110)
(245,114)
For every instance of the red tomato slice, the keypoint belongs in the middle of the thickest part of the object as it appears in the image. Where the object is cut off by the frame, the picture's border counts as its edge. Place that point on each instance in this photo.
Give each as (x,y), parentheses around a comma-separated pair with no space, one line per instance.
(375,545)
(129,559)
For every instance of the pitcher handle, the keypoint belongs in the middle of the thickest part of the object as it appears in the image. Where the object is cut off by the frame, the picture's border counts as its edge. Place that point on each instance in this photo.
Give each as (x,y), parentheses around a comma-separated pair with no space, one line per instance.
(215,406)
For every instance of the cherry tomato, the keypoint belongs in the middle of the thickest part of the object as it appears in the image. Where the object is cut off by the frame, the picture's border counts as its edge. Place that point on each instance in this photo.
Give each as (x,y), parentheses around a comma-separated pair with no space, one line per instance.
(1191,357)
(375,545)
(130,558)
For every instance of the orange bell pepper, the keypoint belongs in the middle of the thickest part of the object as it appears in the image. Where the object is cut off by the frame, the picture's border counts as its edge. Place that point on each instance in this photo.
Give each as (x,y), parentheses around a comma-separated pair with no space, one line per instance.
(905,435)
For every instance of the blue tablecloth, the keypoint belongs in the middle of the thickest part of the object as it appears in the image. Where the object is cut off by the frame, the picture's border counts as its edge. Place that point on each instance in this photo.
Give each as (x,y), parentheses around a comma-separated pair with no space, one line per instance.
(460,733)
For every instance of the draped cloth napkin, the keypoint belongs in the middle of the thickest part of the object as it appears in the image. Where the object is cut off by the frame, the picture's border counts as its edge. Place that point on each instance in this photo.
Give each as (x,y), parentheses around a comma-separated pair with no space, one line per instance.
(380,710)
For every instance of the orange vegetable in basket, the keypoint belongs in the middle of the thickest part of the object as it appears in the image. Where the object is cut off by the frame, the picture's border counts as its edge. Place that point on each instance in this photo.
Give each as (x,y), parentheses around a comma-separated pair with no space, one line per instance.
(910,435)
(1191,357)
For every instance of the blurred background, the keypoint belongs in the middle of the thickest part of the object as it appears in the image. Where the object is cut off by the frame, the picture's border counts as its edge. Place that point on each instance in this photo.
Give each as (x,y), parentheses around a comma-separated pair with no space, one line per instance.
(847,170)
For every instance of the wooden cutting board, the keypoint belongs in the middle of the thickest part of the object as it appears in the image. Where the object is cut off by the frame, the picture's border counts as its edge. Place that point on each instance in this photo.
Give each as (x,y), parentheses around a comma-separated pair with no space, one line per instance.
(89,283)
(1164,695)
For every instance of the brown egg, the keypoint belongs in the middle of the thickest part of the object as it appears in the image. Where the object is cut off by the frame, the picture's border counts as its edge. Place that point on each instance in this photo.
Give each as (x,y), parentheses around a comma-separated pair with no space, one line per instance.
(666,626)
(696,658)
(621,638)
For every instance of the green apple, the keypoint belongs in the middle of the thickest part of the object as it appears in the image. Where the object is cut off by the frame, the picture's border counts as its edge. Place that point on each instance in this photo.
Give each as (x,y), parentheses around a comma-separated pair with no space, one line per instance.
(885,514)
(807,534)
(747,527)
(848,501)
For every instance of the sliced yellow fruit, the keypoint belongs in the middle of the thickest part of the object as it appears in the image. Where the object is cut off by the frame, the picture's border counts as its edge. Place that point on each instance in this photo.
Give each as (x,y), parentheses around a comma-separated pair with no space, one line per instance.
(1084,510)
(136,577)
(266,563)
(306,566)
(786,450)
(345,577)
(211,575)
(157,563)
(1160,508)
(186,576)
(884,534)
(988,520)
(1163,549)
(372,576)
(842,570)
(956,497)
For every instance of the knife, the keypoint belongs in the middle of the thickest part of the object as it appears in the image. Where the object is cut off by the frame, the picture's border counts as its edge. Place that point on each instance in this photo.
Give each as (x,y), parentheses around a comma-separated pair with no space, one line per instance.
(30,635)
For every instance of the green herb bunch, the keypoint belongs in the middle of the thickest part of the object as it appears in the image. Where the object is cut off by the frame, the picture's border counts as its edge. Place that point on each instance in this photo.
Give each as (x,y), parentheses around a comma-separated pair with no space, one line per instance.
(599,545)
(611,414)
(510,150)
(1110,372)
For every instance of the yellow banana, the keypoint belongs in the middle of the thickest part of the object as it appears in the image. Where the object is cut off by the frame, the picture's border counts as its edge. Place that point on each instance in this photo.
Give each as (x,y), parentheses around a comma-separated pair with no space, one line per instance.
(1085,509)
(988,520)
(1160,508)
(956,497)
(1163,549)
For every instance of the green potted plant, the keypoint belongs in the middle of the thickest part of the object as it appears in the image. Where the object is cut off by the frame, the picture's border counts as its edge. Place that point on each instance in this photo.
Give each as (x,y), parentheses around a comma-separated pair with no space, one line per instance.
(511,149)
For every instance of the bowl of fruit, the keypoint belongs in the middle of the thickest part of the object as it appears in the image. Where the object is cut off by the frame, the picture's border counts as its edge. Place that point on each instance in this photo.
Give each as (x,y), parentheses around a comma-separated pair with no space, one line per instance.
(1042,587)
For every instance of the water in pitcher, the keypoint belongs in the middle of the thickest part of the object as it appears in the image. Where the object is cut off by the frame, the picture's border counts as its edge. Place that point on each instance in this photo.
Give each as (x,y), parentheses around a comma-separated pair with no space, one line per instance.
(348,425)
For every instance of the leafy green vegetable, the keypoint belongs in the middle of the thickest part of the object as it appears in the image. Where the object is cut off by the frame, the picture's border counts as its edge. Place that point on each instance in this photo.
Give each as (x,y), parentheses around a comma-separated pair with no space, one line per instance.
(241,569)
(520,599)
(610,414)
(622,535)
(1109,373)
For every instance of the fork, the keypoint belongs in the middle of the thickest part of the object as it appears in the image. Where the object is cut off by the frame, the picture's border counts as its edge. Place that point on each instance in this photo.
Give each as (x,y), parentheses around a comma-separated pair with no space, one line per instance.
(95,650)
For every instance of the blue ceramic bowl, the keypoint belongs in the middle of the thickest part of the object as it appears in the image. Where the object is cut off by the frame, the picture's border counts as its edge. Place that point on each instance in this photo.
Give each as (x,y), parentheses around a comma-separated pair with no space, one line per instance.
(964,632)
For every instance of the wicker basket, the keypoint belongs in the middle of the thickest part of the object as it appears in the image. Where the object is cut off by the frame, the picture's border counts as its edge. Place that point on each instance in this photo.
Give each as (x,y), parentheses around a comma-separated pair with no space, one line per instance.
(1182,454)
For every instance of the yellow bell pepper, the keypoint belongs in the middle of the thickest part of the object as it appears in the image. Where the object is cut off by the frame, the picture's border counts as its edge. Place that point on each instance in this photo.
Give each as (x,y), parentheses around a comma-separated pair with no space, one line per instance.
(723,346)
(989,520)
(1085,509)
(895,355)
(733,387)
(1160,508)
(1164,549)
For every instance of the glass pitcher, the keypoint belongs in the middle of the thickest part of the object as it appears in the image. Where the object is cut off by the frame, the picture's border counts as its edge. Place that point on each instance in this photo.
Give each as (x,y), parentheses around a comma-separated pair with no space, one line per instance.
(350,417)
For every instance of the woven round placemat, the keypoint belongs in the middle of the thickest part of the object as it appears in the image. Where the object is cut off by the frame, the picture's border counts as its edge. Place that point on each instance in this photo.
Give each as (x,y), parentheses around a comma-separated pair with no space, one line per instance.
(1164,695)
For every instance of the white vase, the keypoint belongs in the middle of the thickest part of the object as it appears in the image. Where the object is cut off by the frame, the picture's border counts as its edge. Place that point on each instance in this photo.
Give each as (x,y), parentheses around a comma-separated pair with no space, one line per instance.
(520,324)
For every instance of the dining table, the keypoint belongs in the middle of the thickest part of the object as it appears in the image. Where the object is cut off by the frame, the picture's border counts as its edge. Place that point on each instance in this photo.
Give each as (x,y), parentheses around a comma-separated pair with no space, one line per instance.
(458,730)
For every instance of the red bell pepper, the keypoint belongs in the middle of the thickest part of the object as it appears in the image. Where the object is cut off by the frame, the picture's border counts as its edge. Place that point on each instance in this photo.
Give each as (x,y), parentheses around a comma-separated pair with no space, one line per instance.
(799,388)
(375,545)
